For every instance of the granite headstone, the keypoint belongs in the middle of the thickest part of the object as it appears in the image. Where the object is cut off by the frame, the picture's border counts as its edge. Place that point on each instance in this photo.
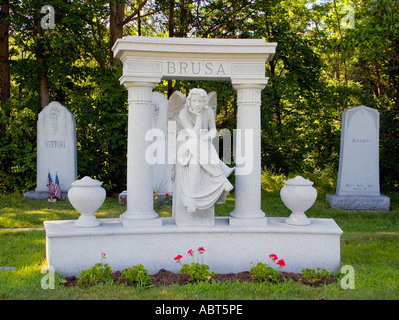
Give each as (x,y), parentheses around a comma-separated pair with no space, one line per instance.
(56,150)
(358,184)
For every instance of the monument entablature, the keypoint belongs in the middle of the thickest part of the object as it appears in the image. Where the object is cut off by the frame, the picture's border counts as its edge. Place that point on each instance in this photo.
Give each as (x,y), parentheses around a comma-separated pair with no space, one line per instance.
(192,58)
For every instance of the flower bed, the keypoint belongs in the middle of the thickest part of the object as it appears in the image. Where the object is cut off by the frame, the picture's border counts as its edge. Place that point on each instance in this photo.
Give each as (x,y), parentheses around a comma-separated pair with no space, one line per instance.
(165,278)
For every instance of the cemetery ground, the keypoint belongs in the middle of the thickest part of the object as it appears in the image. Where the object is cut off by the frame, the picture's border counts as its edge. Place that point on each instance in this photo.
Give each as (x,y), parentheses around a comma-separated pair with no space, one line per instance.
(370,244)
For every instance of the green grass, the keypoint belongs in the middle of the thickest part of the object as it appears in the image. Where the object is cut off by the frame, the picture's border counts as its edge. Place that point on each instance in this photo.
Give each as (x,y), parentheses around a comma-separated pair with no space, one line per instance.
(370,243)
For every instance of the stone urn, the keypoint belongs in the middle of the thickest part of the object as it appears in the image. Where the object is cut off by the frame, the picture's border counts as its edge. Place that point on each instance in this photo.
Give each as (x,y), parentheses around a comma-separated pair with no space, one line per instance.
(87,196)
(298,195)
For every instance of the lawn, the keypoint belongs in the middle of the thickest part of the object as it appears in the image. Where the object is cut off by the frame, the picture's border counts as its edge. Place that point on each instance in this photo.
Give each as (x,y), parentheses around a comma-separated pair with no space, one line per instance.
(370,244)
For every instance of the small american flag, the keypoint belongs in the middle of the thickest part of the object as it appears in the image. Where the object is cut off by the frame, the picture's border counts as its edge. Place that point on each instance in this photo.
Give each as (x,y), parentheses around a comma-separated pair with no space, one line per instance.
(57,189)
(49,183)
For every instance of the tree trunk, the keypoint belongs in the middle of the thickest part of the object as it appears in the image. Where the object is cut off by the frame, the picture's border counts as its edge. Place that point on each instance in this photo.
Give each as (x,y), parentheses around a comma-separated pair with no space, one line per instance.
(116,24)
(44,91)
(5,82)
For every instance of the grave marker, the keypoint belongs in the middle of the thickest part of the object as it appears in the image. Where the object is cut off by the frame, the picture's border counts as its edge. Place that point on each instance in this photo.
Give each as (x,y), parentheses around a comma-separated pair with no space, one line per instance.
(358,184)
(56,150)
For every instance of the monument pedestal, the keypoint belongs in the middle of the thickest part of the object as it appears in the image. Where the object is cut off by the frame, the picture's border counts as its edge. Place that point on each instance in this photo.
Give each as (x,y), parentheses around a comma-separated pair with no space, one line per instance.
(70,249)
(365,203)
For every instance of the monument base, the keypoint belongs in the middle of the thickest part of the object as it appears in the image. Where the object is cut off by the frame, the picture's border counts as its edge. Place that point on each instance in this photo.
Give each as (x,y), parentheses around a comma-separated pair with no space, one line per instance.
(366,203)
(229,249)
(37,195)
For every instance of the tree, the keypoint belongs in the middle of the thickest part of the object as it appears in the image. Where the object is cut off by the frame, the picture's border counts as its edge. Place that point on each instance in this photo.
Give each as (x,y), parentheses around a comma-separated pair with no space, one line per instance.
(5,84)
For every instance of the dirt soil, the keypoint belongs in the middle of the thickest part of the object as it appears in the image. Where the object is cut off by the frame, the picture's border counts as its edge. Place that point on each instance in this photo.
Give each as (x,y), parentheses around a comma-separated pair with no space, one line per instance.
(165,278)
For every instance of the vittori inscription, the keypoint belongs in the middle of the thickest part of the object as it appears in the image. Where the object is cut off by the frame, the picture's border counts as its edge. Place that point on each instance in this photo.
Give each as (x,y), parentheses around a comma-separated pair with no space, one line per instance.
(55,144)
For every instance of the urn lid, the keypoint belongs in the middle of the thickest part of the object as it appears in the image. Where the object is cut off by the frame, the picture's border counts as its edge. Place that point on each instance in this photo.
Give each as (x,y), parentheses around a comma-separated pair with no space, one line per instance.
(86,182)
(298,181)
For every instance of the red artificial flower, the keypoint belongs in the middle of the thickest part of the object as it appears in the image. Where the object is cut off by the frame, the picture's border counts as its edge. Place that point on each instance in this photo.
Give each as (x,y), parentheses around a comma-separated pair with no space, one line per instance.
(178,257)
(273,257)
(281,263)
(201,250)
(190,252)
(166,194)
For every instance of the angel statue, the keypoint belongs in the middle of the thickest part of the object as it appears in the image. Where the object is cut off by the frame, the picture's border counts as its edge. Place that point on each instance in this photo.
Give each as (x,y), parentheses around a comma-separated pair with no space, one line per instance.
(200,176)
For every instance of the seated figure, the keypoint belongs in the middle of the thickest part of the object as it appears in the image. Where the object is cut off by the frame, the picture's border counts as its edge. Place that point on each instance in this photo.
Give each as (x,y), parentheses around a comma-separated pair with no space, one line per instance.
(200,176)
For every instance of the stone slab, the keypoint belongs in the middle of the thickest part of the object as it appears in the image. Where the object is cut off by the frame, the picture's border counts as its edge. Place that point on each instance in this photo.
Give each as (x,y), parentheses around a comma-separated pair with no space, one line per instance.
(364,203)
(70,249)
(38,195)
(358,172)
(7,268)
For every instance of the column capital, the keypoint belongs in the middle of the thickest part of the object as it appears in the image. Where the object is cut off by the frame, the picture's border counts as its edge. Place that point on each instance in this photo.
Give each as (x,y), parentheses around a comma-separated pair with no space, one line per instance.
(249,83)
(129,81)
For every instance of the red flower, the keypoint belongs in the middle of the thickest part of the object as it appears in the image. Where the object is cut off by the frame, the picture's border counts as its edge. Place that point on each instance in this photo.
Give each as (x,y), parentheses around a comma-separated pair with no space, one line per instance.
(153,192)
(190,252)
(166,194)
(273,257)
(201,250)
(281,263)
(177,258)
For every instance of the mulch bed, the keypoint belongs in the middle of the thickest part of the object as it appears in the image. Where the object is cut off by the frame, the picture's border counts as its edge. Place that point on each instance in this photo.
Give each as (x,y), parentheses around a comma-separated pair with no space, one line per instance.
(165,278)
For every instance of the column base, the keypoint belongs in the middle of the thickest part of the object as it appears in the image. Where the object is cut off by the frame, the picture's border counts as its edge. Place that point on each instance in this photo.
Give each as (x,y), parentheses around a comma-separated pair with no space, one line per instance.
(240,218)
(148,219)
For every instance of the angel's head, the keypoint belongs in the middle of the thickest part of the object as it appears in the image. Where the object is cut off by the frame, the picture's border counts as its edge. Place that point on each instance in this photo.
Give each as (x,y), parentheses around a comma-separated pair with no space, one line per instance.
(197,100)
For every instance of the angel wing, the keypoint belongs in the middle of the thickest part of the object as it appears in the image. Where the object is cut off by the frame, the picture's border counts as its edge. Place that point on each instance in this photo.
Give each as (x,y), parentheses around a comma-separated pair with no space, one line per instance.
(176,102)
(212,100)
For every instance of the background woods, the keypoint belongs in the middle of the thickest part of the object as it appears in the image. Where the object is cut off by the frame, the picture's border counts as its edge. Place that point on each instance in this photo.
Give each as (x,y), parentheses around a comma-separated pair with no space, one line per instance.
(331,55)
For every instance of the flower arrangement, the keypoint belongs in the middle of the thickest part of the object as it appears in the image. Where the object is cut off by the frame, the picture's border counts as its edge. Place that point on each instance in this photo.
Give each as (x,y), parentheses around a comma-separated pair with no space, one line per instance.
(196,271)
(162,198)
(263,272)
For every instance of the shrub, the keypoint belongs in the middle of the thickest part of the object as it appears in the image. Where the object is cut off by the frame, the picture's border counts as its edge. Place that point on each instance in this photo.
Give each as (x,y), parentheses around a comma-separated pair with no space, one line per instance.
(99,273)
(262,272)
(137,275)
(197,271)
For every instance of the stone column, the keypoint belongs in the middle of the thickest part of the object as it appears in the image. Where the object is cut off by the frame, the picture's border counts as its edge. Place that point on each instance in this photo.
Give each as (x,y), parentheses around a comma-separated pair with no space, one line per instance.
(248,154)
(140,205)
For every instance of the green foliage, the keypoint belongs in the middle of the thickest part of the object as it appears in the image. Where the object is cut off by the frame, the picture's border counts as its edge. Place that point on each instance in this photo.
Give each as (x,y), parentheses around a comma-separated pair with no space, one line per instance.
(99,273)
(319,70)
(137,275)
(197,271)
(263,272)
(314,276)
(17,149)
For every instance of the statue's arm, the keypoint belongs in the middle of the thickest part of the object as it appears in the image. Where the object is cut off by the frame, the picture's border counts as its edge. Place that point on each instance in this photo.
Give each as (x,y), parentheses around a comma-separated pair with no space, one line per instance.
(192,131)
(211,125)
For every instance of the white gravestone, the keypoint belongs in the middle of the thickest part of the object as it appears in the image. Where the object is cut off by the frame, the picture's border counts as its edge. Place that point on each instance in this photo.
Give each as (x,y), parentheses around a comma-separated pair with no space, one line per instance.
(161,180)
(56,150)
(358,184)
